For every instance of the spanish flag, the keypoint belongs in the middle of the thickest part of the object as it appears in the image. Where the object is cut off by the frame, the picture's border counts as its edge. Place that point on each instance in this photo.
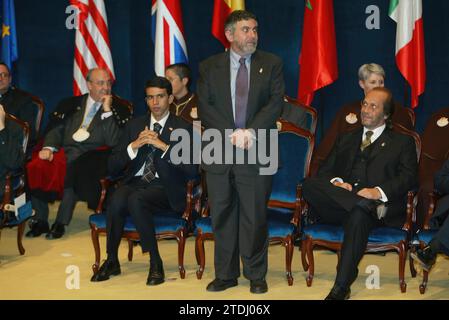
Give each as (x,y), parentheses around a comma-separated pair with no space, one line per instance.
(222,9)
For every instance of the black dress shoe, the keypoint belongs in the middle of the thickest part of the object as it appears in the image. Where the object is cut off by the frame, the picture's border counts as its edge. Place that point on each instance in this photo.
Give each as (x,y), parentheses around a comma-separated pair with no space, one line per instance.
(221,285)
(156,275)
(56,232)
(107,269)
(37,228)
(258,286)
(338,293)
(425,257)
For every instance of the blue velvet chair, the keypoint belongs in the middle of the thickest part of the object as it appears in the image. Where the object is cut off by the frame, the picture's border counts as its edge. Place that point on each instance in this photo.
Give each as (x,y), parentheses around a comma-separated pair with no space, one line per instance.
(381,239)
(168,225)
(284,206)
(14,186)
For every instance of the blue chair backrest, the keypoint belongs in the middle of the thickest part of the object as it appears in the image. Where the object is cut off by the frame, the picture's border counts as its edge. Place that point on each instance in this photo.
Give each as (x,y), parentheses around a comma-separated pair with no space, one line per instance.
(295,152)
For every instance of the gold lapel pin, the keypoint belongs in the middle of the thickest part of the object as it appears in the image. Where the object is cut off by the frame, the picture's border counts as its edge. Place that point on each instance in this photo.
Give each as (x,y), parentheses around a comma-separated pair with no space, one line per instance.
(260,70)
(383,144)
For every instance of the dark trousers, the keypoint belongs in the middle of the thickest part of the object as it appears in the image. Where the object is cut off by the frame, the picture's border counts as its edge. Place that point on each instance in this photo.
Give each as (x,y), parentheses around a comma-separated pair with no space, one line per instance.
(140,200)
(65,209)
(334,205)
(238,201)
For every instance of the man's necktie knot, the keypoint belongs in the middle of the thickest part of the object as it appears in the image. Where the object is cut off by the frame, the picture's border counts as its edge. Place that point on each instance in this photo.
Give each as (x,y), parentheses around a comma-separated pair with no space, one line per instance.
(157,127)
(367,141)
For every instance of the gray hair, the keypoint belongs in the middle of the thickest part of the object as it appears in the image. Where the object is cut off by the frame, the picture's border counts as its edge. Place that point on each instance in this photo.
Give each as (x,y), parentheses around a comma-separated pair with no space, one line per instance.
(236,16)
(368,69)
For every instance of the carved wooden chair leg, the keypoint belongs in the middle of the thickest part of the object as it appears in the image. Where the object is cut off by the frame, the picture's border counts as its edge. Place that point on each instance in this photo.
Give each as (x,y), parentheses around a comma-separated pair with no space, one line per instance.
(309,250)
(289,246)
(130,249)
(181,247)
(96,242)
(20,231)
(425,279)
(201,257)
(402,258)
(303,250)
(412,263)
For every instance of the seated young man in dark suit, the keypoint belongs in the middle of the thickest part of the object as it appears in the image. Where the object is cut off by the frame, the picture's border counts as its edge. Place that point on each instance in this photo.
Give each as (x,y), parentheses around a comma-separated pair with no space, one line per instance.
(368,170)
(152,182)
(440,242)
(11,152)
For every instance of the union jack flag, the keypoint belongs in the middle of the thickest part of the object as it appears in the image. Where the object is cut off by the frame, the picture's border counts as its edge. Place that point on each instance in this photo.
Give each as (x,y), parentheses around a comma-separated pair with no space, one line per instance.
(167,34)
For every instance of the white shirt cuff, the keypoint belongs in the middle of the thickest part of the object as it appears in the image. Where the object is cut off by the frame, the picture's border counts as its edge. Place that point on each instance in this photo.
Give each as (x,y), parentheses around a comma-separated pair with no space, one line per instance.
(132,155)
(338,179)
(383,197)
(53,149)
(105,115)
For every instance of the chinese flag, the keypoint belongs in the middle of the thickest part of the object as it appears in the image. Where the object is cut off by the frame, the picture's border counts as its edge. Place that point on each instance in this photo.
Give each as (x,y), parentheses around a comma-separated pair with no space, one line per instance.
(318,58)
(222,9)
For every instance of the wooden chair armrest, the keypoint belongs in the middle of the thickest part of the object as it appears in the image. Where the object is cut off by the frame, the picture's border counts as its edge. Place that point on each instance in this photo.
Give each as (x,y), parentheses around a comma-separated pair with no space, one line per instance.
(105,183)
(193,200)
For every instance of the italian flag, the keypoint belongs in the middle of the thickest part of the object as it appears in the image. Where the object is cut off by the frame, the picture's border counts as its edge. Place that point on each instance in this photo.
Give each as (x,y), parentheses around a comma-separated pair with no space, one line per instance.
(410,44)
(222,9)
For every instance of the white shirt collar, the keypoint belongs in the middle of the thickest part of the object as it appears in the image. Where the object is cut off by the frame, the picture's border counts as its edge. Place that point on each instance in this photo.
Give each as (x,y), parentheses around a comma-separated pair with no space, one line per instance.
(161,122)
(235,57)
(90,102)
(376,132)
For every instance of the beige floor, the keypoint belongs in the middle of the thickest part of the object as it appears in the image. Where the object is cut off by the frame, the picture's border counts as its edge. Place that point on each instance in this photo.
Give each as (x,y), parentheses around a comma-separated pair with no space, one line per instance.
(48,269)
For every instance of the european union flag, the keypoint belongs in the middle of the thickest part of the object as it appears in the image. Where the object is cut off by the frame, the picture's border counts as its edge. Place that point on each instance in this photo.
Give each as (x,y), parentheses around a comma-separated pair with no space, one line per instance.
(9,35)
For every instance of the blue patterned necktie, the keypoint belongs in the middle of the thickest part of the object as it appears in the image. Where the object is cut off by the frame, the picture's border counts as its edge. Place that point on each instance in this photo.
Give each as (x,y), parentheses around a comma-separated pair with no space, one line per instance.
(91,114)
(241,95)
(149,171)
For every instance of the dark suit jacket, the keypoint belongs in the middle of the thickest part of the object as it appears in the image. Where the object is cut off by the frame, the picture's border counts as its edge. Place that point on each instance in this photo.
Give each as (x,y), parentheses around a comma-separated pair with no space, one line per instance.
(392,166)
(102,132)
(11,151)
(68,106)
(441,185)
(173,177)
(265,99)
(21,106)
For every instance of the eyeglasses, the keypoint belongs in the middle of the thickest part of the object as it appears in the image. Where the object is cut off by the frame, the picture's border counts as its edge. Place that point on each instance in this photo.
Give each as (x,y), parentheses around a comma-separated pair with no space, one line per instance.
(4,75)
(101,83)
(372,106)
(157,96)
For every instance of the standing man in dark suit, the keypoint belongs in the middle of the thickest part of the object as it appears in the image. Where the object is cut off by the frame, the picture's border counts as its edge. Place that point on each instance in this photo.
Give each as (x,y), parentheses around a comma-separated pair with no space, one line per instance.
(440,242)
(363,184)
(152,182)
(240,90)
(15,102)
(90,126)
(11,152)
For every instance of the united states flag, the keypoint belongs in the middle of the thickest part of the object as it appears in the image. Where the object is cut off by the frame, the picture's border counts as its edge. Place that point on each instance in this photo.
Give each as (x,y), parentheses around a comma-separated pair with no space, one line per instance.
(167,34)
(92,48)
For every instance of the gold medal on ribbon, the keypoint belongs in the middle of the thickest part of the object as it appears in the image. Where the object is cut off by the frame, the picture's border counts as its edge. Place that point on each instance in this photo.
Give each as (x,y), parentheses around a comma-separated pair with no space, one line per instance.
(81,135)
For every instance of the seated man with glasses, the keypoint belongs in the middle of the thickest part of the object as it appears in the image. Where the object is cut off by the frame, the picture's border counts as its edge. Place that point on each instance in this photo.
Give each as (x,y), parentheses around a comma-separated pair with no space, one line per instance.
(152,181)
(363,184)
(16,102)
(80,125)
